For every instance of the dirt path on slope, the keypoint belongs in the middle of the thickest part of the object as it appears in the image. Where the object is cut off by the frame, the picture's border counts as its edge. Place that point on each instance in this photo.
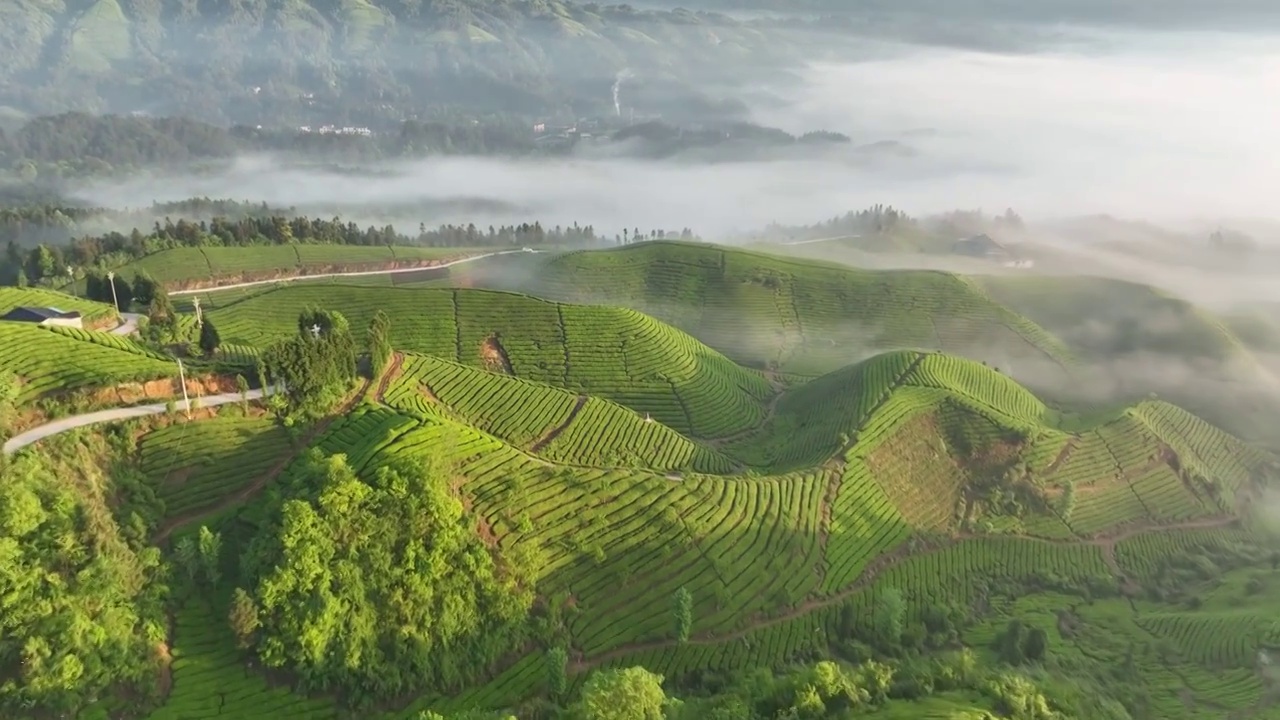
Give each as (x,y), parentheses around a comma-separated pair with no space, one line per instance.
(391,373)
(168,527)
(555,431)
(771,409)
(889,560)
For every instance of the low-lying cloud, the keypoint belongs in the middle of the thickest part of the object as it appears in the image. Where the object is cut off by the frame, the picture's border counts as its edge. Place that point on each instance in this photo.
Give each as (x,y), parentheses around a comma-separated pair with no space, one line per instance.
(1167,127)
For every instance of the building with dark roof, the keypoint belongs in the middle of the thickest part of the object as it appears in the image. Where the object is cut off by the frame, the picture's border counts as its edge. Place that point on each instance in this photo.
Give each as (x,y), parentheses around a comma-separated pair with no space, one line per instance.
(981,246)
(45,316)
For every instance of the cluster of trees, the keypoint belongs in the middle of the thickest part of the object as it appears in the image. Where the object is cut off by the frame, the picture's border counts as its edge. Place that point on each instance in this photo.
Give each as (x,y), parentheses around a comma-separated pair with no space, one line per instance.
(57,264)
(316,366)
(831,689)
(49,149)
(81,606)
(75,144)
(27,222)
(378,588)
(875,219)
(660,139)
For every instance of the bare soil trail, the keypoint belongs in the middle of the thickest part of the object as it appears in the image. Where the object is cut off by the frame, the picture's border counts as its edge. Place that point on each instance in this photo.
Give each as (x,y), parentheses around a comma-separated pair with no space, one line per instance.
(771,409)
(555,431)
(391,373)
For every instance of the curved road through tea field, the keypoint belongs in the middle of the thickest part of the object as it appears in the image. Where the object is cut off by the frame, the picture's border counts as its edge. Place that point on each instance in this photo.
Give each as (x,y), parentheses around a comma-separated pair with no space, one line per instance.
(359,273)
(62,425)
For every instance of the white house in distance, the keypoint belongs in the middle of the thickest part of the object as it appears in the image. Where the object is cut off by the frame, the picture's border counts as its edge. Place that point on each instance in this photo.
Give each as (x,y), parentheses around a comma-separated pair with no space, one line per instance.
(45,316)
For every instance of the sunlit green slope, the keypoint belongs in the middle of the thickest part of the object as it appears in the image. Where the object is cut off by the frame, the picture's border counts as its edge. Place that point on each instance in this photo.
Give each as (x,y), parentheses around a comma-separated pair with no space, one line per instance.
(800,316)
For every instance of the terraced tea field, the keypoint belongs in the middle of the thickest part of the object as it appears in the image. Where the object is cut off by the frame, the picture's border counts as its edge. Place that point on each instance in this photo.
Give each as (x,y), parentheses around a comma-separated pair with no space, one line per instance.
(632,458)
(57,360)
(804,316)
(92,313)
(193,466)
(201,266)
(612,353)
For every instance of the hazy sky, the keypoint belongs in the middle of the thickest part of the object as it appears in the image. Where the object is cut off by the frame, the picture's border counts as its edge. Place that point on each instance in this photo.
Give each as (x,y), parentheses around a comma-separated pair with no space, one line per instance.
(1160,126)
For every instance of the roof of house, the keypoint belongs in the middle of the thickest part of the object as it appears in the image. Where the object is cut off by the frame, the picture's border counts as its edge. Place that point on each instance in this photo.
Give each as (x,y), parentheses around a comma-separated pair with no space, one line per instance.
(40,313)
(983,242)
(983,239)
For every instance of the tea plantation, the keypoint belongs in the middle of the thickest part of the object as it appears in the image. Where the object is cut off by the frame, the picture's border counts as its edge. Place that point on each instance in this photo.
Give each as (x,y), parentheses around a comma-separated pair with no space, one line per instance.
(729,461)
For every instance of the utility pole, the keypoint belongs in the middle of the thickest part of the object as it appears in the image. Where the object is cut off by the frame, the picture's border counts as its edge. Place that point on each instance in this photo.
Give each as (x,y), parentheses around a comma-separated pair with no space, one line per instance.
(182,378)
(111,279)
(195,299)
(71,275)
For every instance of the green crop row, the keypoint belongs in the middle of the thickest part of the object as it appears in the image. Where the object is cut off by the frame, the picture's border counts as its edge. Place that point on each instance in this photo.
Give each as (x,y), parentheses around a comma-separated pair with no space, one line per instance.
(611,353)
(91,312)
(812,316)
(194,465)
(48,362)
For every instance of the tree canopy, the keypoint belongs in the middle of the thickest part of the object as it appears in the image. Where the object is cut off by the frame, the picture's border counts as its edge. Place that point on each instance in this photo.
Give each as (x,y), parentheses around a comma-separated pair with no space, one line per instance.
(80,610)
(379,588)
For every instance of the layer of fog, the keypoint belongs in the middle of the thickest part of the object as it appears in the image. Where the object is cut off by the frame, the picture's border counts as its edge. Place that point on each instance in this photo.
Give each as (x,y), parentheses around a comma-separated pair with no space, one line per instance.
(1162,127)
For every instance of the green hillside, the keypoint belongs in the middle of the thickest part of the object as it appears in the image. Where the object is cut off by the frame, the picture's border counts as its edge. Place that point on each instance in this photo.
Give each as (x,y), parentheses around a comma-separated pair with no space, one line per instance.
(486,56)
(56,360)
(93,313)
(195,267)
(774,558)
(801,316)
(523,494)
(614,353)
(1135,339)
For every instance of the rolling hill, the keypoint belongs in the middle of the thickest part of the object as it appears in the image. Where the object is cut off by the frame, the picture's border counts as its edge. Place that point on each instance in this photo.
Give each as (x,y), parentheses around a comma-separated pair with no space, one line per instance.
(772,558)
(800,316)
(607,463)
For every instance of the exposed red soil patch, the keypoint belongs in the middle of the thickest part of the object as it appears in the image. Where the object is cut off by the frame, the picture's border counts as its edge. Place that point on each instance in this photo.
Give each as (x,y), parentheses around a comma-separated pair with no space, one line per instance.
(177,478)
(485,530)
(165,682)
(164,389)
(495,356)
(394,368)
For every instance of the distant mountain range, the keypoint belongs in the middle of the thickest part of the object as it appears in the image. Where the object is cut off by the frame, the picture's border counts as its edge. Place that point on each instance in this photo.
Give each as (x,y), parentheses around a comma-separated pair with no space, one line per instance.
(348,61)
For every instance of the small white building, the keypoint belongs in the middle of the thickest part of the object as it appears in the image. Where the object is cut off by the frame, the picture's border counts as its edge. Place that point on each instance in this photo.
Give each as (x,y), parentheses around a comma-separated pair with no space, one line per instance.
(45,316)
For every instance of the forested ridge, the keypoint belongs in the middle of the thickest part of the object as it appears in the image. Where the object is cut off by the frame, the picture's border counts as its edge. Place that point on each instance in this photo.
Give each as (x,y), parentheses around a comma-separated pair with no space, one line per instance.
(355,63)
(48,151)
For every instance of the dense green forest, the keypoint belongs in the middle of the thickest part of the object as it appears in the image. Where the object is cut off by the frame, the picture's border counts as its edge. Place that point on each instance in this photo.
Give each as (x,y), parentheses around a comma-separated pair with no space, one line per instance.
(47,150)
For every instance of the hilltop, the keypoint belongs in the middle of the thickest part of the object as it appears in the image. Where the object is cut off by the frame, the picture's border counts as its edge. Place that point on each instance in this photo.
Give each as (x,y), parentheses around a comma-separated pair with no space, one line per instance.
(800,316)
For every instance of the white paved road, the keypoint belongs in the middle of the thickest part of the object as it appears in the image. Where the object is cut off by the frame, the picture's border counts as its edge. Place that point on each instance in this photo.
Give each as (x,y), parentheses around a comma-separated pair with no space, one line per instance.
(361,273)
(62,425)
(128,325)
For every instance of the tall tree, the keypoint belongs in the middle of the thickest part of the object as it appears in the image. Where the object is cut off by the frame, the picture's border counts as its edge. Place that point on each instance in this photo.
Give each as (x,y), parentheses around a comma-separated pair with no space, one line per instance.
(557,671)
(210,341)
(382,587)
(243,618)
(890,612)
(379,341)
(682,611)
(629,694)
